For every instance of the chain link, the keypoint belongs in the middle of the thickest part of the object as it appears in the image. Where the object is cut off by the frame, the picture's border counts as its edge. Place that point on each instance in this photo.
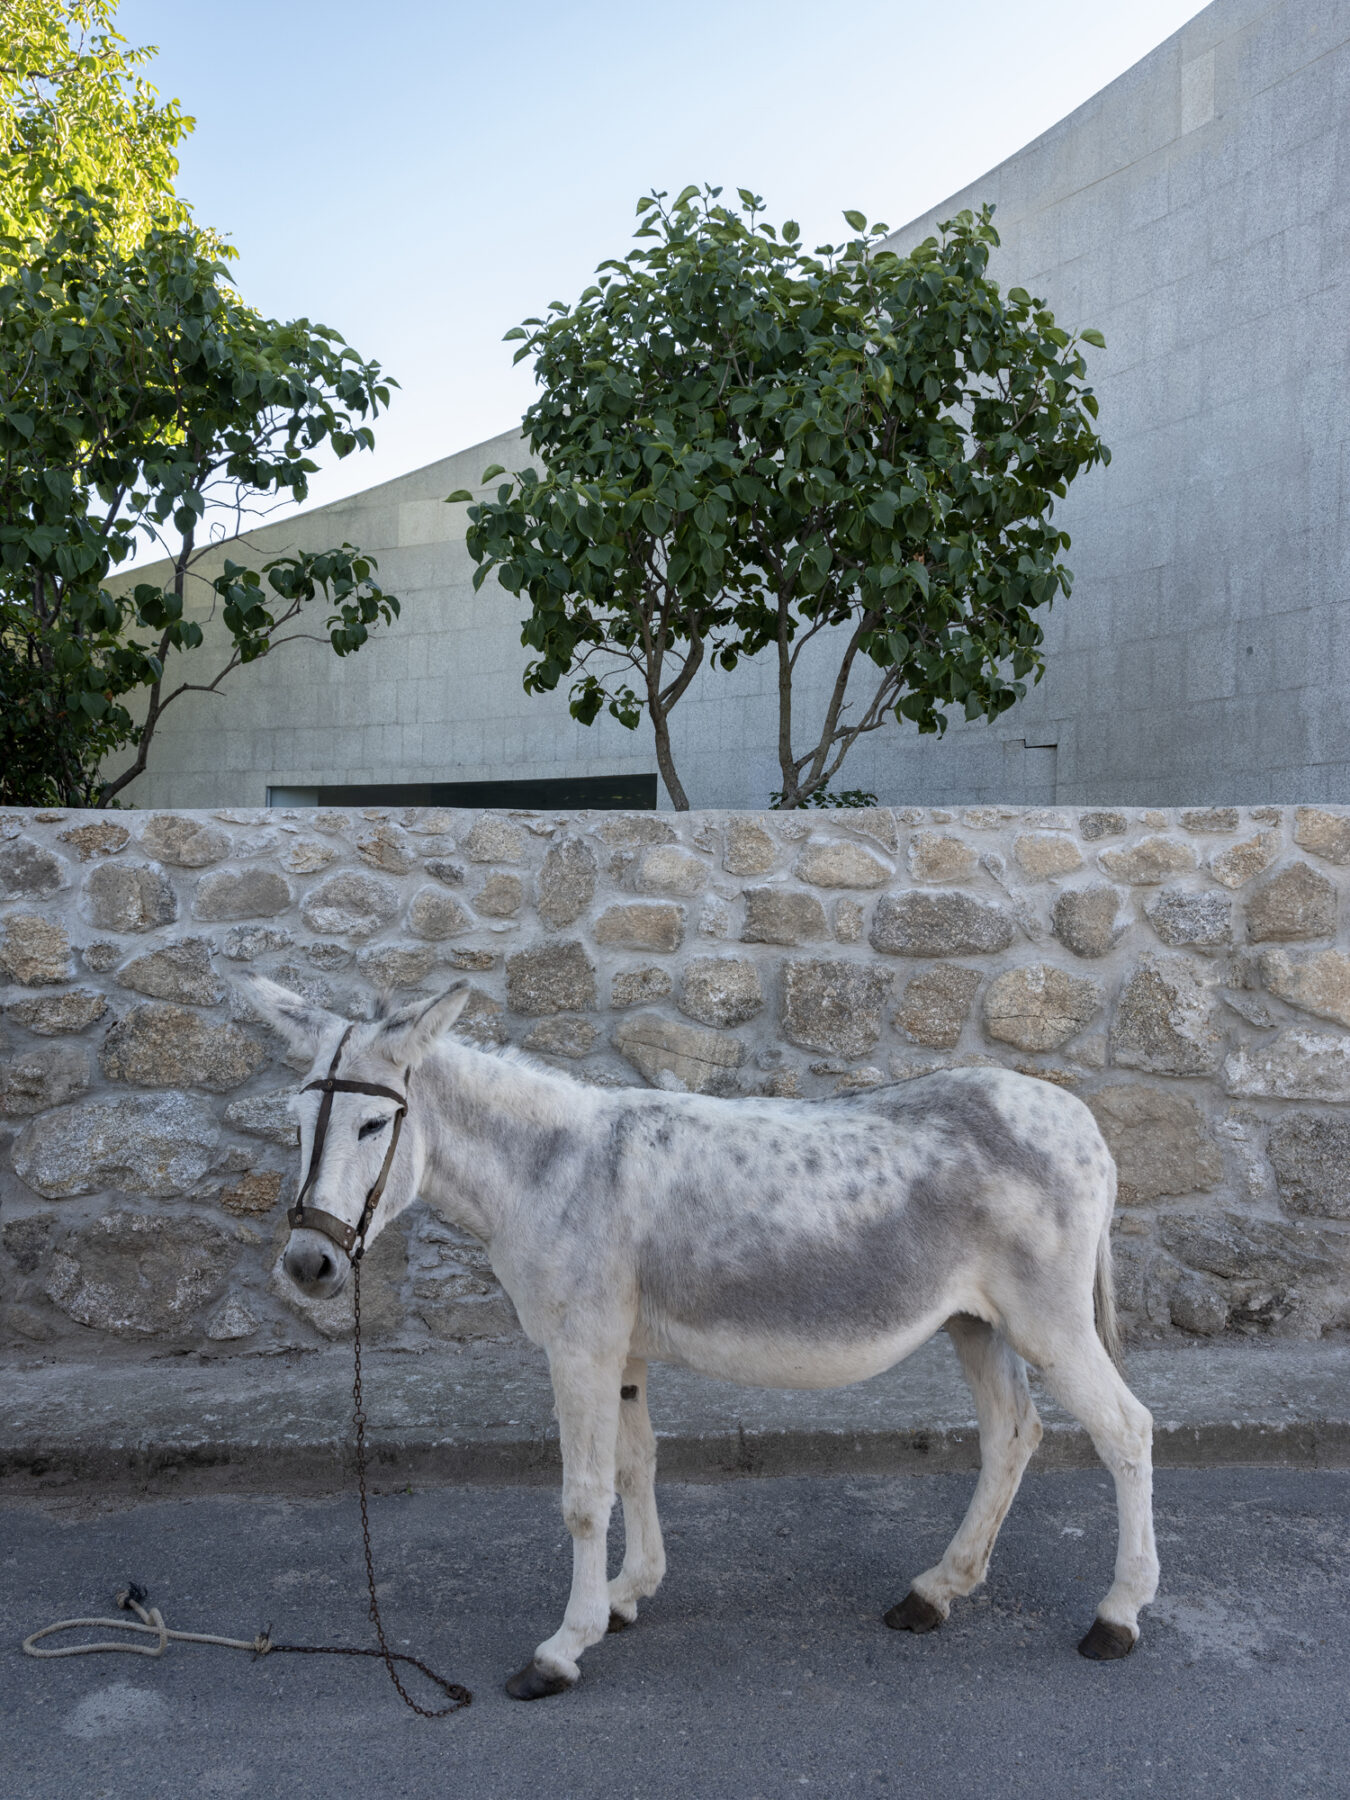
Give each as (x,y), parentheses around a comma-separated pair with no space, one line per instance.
(460,1697)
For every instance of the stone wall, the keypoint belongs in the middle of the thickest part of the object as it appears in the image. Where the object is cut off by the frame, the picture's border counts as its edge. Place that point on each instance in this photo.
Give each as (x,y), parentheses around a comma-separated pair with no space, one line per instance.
(1186,973)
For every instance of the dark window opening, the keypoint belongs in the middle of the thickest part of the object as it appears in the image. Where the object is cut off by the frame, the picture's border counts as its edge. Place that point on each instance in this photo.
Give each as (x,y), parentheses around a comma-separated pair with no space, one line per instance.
(574,793)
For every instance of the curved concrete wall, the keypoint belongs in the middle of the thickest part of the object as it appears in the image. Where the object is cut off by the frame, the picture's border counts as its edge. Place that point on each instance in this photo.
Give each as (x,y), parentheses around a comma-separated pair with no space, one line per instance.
(1198,212)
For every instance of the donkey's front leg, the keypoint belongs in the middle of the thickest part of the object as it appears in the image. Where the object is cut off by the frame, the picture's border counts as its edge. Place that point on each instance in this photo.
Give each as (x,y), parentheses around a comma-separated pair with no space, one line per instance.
(586,1389)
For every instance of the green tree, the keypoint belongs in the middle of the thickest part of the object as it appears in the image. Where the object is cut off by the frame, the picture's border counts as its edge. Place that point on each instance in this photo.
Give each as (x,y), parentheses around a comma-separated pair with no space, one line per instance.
(137,392)
(746,446)
(76,114)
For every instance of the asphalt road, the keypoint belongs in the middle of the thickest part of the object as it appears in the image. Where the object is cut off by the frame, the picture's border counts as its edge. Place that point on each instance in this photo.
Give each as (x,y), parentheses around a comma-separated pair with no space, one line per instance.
(760,1671)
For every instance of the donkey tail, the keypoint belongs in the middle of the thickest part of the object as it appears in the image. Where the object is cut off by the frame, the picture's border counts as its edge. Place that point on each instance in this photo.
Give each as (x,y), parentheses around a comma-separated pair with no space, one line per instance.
(1104,1300)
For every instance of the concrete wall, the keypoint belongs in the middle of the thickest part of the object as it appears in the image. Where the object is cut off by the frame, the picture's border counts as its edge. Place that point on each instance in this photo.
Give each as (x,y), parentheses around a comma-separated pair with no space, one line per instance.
(1197,212)
(1188,974)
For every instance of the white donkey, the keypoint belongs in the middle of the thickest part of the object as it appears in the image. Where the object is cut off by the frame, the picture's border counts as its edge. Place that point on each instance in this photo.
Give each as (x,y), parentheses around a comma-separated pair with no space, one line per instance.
(778,1243)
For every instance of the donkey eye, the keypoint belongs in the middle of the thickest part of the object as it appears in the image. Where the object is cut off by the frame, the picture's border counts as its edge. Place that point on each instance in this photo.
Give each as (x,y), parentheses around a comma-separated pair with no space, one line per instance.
(371,1126)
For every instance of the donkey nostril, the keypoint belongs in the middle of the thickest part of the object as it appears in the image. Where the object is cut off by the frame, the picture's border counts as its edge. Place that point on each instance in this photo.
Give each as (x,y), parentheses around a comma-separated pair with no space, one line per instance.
(308,1265)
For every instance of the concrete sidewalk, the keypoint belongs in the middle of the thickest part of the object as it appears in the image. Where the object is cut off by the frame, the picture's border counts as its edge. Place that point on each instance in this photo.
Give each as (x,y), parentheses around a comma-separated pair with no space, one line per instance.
(485,1413)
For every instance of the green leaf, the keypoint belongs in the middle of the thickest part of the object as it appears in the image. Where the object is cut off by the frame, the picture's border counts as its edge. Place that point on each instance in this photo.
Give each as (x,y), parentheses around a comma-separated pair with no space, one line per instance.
(857,220)
(1090,336)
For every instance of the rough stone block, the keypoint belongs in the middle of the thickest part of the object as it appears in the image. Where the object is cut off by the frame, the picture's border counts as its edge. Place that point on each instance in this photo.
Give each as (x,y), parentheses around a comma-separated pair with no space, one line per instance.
(186,843)
(1043,854)
(29,871)
(465,1318)
(641,926)
(241,894)
(245,943)
(253,1194)
(1324,834)
(1039,1007)
(1165,1021)
(308,856)
(180,971)
(1094,825)
(1317,981)
(936,1005)
(135,1274)
(842,865)
(550,978)
(667,869)
(628,830)
(1148,862)
(833,1006)
(947,924)
(639,987)
(350,905)
(33,1080)
(1240,862)
(159,1145)
(1160,1141)
(563,1037)
(128,898)
(848,921)
(53,1015)
(230,1321)
(500,896)
(749,848)
(494,840)
(436,915)
(1085,919)
(265,1116)
(1199,921)
(168,1046)
(386,848)
(703,1062)
(721,990)
(1205,819)
(1298,903)
(103,837)
(936,857)
(781,916)
(441,869)
(566,882)
(1239,1247)
(1310,1154)
(34,952)
(1198,1304)
(391,966)
(1297,1065)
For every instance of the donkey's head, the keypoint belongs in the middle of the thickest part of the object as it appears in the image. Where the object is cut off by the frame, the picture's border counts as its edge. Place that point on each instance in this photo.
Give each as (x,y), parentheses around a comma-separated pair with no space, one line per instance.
(359,1165)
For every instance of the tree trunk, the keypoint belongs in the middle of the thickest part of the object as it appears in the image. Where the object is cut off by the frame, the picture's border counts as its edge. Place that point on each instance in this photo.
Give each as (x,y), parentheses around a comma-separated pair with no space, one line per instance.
(665,762)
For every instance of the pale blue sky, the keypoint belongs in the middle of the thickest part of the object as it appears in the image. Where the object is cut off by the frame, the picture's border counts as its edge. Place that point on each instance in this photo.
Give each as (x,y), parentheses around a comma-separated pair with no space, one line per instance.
(422,176)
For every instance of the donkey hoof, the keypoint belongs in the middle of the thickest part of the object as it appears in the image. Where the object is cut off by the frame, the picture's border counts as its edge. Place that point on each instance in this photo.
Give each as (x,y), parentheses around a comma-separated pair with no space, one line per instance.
(1107,1642)
(620,1621)
(534,1682)
(914,1613)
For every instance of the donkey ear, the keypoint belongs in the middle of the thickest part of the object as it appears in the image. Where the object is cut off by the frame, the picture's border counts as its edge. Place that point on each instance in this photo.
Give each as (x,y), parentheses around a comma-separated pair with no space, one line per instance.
(406,1036)
(302,1024)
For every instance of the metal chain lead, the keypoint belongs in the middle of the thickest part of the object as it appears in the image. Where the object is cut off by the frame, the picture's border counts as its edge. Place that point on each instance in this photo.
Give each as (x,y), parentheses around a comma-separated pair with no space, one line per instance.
(459,1696)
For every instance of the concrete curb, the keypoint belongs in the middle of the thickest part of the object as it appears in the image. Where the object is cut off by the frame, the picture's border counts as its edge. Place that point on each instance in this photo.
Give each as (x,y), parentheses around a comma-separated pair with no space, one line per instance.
(484,1415)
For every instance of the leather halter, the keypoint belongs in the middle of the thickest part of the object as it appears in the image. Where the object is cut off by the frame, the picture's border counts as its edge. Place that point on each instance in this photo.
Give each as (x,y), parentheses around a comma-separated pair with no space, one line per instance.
(349,1238)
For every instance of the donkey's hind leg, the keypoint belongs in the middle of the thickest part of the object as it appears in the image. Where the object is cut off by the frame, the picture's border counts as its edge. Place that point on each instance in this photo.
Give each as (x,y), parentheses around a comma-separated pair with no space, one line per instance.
(1009,1433)
(644,1556)
(1087,1384)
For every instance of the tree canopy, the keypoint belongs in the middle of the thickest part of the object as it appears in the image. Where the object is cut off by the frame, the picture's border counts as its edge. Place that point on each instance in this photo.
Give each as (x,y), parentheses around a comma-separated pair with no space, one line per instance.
(745,446)
(76,114)
(137,393)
